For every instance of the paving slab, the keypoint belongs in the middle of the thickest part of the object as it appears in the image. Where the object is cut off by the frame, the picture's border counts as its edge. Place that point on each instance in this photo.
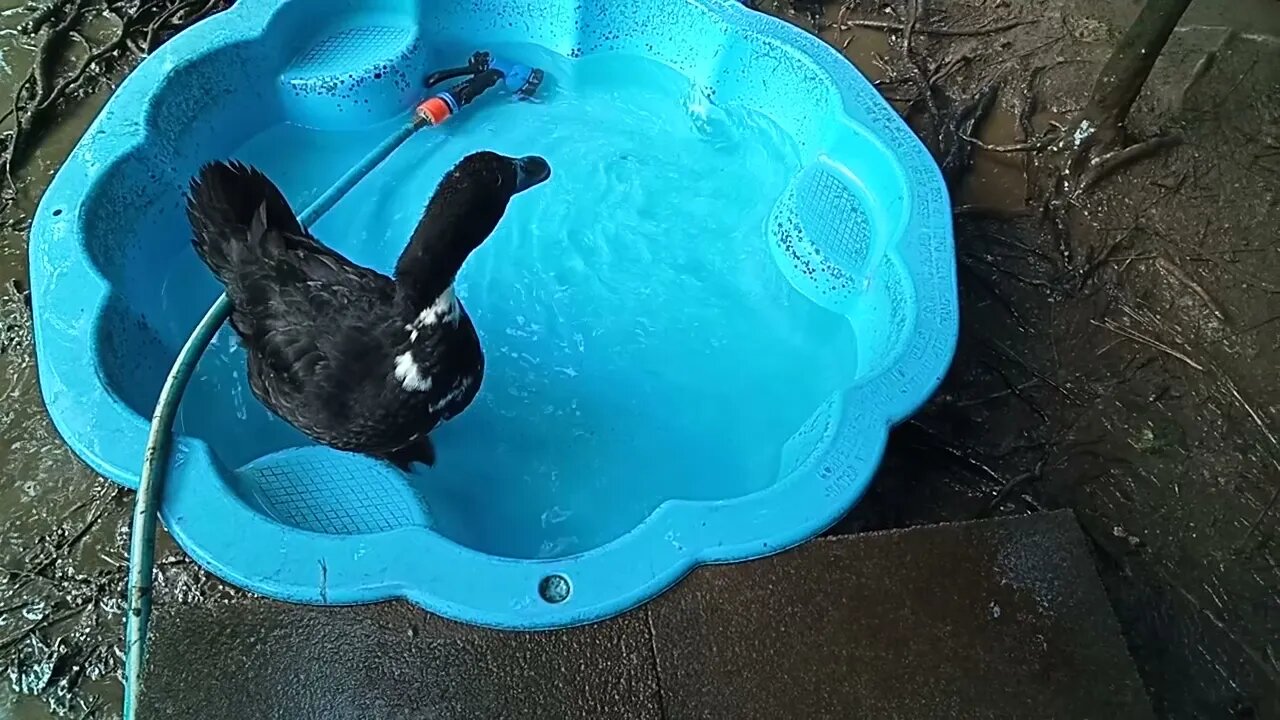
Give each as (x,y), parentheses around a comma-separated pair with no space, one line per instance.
(256,659)
(995,619)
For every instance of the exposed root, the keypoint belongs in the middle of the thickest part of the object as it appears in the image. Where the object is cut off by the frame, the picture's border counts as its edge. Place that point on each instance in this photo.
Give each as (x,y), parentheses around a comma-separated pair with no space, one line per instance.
(1091,268)
(1202,68)
(1138,337)
(909,28)
(991,212)
(1165,263)
(1008,488)
(1012,274)
(1262,514)
(954,139)
(176,17)
(34,90)
(994,292)
(1010,355)
(47,621)
(1026,111)
(1104,165)
(1016,390)
(1033,146)
(50,550)
(1254,415)
(42,16)
(1030,100)
(933,440)
(143,27)
(971,402)
(933,30)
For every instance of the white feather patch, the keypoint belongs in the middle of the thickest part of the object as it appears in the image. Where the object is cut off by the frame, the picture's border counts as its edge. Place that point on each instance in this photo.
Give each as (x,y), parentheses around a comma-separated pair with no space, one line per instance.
(410,375)
(442,309)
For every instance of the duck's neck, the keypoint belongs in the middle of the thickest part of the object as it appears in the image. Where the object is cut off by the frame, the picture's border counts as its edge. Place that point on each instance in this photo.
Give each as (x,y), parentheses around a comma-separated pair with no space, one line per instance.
(426,270)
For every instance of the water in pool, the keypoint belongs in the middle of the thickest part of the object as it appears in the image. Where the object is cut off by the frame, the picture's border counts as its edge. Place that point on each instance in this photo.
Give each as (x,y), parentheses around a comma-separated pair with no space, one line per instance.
(641,342)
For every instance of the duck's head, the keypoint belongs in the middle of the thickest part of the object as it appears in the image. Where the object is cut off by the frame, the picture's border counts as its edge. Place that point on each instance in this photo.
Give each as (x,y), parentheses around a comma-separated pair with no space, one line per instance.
(473,195)
(465,210)
(486,179)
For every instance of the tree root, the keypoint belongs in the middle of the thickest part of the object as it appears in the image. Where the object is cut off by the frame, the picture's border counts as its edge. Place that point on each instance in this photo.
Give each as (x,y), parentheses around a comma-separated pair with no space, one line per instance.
(955,138)
(1008,488)
(143,26)
(1165,263)
(28,112)
(941,31)
(1101,166)
(1000,349)
(176,18)
(1033,146)
(996,295)
(1202,68)
(41,17)
(1138,337)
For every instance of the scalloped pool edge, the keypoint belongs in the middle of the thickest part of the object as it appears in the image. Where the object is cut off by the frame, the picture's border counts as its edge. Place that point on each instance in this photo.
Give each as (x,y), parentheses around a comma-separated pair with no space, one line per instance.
(463,584)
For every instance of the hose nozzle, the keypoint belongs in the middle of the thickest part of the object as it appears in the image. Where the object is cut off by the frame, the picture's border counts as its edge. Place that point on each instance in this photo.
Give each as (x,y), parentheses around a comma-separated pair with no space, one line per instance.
(482,72)
(523,81)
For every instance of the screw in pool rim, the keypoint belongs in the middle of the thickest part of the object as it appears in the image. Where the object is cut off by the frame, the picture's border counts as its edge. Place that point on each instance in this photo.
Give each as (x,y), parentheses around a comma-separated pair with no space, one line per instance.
(554,589)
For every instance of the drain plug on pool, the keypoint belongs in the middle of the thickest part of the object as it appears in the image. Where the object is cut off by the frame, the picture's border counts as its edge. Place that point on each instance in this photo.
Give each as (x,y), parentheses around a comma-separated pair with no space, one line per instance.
(554,588)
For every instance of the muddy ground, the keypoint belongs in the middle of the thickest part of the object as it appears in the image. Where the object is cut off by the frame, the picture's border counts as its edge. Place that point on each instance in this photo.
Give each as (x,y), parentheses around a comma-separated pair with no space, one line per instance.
(1129,375)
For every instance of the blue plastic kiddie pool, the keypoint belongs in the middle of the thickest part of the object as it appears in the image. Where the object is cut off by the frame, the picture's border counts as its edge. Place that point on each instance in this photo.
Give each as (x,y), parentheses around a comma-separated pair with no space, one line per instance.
(697,333)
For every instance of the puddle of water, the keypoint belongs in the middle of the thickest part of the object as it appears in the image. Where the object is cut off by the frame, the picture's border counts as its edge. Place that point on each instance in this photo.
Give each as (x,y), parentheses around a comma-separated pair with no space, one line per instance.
(863,46)
(997,180)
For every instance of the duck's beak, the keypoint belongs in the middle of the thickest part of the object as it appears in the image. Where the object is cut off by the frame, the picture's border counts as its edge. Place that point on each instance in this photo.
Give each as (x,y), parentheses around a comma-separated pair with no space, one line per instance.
(531,170)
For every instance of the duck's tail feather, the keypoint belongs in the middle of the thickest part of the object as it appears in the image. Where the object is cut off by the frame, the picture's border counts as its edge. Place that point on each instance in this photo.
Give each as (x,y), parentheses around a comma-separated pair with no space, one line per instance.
(230,205)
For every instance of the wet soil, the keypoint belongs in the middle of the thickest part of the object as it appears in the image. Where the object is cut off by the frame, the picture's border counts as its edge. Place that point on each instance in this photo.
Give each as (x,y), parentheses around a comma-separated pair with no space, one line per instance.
(1133,384)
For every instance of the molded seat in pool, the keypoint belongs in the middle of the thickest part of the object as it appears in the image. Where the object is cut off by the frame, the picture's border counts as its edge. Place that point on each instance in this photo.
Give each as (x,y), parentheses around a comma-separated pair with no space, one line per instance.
(701,377)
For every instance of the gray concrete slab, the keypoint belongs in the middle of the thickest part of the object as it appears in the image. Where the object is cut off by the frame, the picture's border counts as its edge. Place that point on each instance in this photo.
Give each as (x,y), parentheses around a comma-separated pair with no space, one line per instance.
(254,659)
(999,619)
(996,619)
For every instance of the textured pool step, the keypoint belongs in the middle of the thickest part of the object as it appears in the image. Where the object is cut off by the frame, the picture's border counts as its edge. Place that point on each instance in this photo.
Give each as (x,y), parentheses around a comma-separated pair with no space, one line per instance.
(995,619)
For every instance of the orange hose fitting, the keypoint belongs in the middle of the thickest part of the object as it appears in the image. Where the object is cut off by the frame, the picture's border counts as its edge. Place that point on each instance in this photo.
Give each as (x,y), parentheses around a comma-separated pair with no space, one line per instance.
(434,111)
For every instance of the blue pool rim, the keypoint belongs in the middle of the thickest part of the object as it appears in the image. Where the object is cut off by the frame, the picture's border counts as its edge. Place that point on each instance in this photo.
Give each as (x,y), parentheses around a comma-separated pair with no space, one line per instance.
(463,584)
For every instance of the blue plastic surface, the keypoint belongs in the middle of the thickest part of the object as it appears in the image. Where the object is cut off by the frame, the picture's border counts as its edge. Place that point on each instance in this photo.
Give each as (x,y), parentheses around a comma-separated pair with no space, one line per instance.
(862,229)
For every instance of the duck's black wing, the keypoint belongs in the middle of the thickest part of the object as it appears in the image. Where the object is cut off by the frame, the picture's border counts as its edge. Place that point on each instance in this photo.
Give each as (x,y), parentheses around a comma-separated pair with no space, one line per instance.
(233,208)
(300,311)
(309,317)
